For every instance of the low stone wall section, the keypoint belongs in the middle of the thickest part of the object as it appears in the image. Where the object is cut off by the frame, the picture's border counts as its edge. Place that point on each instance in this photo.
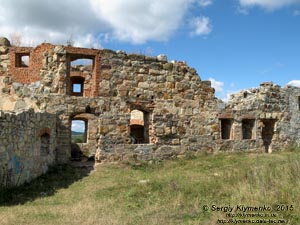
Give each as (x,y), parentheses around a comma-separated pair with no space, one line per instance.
(27,146)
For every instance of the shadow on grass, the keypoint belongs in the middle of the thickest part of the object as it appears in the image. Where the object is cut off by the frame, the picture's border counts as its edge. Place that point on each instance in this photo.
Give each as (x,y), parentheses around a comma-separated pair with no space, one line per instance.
(57,177)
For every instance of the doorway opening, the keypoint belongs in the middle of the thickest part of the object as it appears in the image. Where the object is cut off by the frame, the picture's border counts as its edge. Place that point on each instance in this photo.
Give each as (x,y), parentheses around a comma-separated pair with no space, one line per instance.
(139,127)
(226,131)
(79,131)
(248,130)
(268,133)
(45,144)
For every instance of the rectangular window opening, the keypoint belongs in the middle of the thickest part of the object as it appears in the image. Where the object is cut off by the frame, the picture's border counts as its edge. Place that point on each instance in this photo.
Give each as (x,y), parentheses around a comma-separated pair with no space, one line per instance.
(248,128)
(79,131)
(77,88)
(139,127)
(22,60)
(226,131)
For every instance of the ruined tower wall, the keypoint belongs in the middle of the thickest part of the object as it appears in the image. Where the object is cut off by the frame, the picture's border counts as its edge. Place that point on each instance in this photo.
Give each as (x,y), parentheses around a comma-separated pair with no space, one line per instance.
(28,144)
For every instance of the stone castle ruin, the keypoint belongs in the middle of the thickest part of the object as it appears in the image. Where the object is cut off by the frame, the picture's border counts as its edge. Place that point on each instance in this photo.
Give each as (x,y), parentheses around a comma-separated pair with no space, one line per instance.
(132,107)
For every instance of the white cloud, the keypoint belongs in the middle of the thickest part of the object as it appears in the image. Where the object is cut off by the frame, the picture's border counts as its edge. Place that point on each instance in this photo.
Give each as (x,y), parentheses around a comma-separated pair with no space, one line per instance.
(88,40)
(226,96)
(222,94)
(138,21)
(205,3)
(217,85)
(242,10)
(295,83)
(201,26)
(296,13)
(51,21)
(268,4)
(86,22)
(78,126)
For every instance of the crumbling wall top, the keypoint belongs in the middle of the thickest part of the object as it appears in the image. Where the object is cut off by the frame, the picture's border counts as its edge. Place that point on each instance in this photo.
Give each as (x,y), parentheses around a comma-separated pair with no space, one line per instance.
(4,42)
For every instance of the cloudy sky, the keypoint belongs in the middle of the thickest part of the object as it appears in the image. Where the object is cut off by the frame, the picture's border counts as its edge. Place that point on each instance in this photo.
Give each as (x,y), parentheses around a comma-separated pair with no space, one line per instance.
(78,126)
(236,44)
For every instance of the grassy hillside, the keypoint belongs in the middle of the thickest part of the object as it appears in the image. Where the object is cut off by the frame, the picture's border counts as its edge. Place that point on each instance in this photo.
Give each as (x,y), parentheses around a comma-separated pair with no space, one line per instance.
(184,191)
(77,137)
(77,133)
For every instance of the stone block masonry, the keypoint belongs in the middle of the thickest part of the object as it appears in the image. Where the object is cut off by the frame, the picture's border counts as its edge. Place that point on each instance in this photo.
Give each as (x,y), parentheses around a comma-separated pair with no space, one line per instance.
(132,107)
(27,146)
(265,118)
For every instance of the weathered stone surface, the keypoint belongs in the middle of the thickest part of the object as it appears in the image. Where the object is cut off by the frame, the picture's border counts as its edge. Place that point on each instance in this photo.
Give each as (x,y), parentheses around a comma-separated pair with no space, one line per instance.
(4,42)
(162,58)
(59,50)
(3,50)
(177,111)
(24,152)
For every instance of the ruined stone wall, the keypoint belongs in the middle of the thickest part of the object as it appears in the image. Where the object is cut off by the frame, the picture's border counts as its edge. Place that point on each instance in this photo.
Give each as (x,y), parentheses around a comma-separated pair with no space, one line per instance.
(31,73)
(180,112)
(274,112)
(28,145)
(4,58)
(292,128)
(180,108)
(91,80)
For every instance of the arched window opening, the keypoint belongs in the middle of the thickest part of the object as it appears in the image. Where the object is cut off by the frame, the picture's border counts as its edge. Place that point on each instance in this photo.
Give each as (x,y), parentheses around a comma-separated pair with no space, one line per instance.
(45,144)
(267,133)
(82,64)
(139,127)
(79,131)
(81,68)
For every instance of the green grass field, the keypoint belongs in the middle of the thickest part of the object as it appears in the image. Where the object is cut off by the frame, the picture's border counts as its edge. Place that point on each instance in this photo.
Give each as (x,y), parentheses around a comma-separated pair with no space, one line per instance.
(183,191)
(79,138)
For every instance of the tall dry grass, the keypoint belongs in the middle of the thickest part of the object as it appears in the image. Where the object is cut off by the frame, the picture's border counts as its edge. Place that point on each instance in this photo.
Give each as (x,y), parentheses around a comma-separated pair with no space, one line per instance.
(172,192)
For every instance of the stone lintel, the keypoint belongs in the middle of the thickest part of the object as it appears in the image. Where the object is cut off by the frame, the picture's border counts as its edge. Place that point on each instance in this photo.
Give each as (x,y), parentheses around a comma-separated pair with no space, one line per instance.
(225,116)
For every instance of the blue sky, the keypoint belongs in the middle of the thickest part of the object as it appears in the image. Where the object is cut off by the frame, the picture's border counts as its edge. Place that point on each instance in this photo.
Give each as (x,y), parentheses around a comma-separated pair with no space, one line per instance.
(237,44)
(78,126)
(242,50)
